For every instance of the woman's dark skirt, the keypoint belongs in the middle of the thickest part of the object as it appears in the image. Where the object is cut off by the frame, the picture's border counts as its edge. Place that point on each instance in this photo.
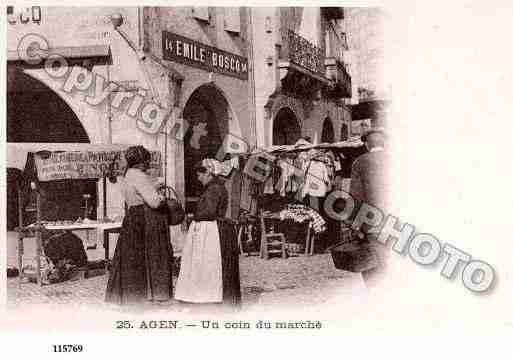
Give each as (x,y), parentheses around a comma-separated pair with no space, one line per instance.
(142,264)
(230,263)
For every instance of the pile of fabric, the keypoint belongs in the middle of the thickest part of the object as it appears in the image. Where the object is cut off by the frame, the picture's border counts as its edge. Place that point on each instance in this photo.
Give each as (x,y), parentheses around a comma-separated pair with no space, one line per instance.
(300,213)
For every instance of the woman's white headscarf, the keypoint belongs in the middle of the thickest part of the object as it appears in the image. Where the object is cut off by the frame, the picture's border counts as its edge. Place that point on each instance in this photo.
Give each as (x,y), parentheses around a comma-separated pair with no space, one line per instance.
(217,168)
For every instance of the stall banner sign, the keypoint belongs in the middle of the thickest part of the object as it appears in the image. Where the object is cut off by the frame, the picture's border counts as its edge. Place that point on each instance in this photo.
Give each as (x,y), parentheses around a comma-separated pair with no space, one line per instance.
(88,164)
(192,53)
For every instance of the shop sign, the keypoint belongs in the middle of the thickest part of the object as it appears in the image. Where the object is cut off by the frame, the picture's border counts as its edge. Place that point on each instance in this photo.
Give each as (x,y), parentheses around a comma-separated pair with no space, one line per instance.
(303,53)
(87,164)
(192,53)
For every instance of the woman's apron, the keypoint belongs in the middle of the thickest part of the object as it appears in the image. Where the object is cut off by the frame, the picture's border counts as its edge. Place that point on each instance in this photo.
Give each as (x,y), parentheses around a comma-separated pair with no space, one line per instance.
(201,279)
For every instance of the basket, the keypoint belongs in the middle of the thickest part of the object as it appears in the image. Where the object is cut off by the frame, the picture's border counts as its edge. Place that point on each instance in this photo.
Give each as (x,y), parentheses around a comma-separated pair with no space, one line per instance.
(354,256)
(175,210)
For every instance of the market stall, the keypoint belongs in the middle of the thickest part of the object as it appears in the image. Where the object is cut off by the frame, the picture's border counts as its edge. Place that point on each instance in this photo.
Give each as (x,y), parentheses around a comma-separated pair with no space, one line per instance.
(48,202)
(289,184)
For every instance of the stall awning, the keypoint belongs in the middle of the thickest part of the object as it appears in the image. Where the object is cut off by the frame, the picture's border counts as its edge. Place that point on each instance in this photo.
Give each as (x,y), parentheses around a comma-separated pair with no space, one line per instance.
(101,54)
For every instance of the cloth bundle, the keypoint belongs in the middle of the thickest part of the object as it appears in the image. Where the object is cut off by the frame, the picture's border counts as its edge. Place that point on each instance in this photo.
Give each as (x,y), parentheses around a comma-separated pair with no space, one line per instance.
(300,213)
(218,168)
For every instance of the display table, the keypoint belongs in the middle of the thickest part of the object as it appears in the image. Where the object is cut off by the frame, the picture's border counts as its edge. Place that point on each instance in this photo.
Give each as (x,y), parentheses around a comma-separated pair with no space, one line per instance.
(103,229)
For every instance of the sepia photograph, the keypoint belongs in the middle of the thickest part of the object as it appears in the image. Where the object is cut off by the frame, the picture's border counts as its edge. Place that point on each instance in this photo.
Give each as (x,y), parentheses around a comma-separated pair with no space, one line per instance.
(321,169)
(192,156)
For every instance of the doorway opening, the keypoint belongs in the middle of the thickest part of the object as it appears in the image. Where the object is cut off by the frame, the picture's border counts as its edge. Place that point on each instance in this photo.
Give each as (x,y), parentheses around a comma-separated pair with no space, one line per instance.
(344,133)
(207,113)
(328,134)
(286,130)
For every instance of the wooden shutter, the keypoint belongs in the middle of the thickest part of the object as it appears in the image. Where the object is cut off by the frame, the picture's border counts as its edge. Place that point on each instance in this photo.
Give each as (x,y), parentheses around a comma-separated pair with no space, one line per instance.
(232,19)
(201,13)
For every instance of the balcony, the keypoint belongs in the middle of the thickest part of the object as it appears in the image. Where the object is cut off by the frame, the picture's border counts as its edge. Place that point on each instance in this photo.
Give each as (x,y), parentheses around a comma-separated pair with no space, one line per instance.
(341,81)
(301,52)
(301,65)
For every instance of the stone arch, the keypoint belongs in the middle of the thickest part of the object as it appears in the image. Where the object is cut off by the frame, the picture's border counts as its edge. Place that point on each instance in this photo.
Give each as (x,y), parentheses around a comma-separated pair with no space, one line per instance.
(85,113)
(234,127)
(275,103)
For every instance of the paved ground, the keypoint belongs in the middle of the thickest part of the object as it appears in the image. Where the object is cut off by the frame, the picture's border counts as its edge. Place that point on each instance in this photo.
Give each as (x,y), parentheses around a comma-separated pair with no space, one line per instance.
(293,281)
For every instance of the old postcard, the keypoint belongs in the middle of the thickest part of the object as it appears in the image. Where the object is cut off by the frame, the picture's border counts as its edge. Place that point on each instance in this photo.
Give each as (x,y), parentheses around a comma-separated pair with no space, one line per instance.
(301,169)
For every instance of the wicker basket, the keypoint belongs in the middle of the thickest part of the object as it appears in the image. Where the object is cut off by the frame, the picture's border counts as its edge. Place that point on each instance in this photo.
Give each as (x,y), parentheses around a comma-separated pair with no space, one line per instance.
(354,256)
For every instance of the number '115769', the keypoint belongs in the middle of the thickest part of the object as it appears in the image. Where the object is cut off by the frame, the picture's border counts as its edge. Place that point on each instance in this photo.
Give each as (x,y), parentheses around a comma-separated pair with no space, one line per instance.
(67,348)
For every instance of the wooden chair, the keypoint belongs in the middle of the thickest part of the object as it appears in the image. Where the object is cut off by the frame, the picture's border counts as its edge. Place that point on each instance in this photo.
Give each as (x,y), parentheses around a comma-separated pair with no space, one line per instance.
(271,242)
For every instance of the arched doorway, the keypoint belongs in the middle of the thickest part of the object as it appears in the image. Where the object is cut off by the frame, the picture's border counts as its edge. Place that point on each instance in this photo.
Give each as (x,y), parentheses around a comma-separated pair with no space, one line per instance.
(286,130)
(207,113)
(35,113)
(344,133)
(328,135)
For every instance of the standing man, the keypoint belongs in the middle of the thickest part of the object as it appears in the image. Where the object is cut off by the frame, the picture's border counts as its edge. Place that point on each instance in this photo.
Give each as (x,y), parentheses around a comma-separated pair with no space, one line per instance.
(369,177)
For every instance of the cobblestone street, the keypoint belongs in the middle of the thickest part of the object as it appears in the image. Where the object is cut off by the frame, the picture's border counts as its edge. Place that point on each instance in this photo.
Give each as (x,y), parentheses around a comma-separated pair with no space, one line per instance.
(294,281)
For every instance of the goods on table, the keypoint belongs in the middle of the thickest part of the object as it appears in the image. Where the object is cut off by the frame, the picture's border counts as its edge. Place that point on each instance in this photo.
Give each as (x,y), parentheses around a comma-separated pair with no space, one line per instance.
(301,213)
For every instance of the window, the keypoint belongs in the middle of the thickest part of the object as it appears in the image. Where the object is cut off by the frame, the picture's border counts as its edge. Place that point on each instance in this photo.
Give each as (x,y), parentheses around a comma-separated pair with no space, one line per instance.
(344,133)
(328,135)
(201,13)
(232,19)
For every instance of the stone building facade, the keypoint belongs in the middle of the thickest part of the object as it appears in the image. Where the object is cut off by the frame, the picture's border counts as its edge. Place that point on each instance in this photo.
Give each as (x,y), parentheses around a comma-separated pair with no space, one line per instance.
(260,76)
(301,82)
(366,39)
(167,64)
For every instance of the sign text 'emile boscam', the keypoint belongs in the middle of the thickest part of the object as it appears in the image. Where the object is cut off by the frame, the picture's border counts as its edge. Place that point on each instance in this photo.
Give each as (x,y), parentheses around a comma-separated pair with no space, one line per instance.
(180,49)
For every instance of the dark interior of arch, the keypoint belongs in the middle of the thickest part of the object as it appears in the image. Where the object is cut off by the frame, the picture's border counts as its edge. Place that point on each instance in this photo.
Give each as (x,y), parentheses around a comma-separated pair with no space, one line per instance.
(207,113)
(35,113)
(286,129)
(328,134)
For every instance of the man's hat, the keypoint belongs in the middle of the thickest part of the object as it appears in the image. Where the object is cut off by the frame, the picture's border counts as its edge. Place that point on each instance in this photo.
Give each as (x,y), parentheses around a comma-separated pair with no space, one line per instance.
(380,130)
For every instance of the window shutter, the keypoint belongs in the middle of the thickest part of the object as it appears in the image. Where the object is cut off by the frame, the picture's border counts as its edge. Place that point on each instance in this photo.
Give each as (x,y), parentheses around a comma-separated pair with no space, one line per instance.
(232,19)
(201,13)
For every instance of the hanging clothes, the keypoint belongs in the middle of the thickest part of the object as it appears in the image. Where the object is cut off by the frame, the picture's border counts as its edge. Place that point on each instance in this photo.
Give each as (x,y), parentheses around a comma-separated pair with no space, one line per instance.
(287,172)
(317,180)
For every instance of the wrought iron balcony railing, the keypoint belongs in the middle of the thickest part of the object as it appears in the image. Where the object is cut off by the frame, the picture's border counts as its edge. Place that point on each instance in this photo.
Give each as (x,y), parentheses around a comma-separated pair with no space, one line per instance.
(299,51)
(336,71)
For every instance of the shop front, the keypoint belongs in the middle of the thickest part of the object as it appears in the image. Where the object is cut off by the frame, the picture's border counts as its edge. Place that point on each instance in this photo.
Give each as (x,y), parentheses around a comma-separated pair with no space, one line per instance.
(54,95)
(72,85)
(213,118)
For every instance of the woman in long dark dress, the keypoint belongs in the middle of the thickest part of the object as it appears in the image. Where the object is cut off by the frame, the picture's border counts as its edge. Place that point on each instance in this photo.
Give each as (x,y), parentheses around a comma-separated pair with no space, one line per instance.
(142,264)
(209,269)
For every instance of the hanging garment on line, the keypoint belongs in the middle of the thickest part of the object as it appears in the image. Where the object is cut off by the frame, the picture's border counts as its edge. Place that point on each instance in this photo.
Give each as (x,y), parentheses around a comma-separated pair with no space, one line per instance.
(287,172)
(269,185)
(317,180)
